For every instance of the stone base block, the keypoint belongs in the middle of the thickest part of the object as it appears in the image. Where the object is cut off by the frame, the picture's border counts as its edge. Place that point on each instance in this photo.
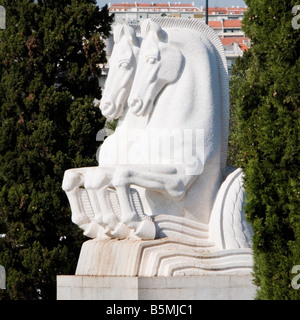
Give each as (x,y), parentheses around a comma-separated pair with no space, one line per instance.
(206,287)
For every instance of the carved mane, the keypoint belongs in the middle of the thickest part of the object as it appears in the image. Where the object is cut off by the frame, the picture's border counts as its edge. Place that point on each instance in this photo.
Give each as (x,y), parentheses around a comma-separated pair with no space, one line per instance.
(203,29)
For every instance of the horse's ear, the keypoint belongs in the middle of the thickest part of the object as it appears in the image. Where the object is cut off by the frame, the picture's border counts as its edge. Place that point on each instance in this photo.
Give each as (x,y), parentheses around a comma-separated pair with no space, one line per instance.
(130,33)
(118,32)
(150,25)
(123,29)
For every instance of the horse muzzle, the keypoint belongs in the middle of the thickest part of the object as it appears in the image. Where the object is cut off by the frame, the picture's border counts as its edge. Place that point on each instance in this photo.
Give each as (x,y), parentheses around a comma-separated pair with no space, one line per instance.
(135,105)
(108,109)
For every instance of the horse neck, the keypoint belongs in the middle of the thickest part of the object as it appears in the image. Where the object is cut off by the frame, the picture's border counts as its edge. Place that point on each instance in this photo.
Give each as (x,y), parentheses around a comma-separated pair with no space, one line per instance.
(192,93)
(129,121)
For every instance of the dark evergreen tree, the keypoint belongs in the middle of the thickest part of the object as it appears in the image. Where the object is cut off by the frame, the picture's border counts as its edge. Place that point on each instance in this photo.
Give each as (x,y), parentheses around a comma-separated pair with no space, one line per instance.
(50,53)
(265,96)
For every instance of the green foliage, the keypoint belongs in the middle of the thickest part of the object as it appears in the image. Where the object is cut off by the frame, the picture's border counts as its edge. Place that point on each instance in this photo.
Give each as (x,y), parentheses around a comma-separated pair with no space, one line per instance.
(49,57)
(265,97)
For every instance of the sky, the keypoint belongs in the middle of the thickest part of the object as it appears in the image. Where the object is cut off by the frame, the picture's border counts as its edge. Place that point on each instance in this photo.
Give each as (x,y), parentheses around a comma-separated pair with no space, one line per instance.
(198,3)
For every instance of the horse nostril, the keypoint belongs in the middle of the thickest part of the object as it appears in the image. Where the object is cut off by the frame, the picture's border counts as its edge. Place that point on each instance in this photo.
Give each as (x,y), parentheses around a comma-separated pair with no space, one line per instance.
(135,105)
(108,109)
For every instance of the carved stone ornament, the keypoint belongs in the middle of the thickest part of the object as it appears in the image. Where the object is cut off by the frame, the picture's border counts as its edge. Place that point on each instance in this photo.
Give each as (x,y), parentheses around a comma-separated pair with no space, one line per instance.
(162,200)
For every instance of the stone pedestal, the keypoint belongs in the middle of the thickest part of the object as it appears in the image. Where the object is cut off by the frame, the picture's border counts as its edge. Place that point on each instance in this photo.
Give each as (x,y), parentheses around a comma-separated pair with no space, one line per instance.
(163,269)
(207,287)
(164,222)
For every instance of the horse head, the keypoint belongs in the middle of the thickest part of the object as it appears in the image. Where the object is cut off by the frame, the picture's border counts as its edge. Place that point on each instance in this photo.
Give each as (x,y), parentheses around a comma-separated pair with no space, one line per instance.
(160,64)
(123,63)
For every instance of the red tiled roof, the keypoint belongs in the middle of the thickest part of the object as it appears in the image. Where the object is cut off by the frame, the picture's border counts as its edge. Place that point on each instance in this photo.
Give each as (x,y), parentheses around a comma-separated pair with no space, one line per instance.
(183,5)
(152,5)
(236,10)
(239,41)
(225,10)
(126,6)
(215,24)
(243,47)
(229,41)
(215,9)
(232,23)
(222,10)
(123,5)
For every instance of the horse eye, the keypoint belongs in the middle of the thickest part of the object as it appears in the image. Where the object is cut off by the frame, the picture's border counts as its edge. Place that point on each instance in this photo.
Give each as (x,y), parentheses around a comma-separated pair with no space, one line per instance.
(124,65)
(151,60)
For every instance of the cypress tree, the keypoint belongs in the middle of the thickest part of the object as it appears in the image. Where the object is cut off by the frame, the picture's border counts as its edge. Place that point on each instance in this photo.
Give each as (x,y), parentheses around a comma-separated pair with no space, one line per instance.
(50,53)
(265,97)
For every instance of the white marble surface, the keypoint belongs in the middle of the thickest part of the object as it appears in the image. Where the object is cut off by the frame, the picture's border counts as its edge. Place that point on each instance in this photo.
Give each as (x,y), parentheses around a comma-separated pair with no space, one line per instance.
(220,287)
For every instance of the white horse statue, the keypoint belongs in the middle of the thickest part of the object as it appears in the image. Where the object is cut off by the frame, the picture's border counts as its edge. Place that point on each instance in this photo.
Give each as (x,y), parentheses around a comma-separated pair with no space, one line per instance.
(162,173)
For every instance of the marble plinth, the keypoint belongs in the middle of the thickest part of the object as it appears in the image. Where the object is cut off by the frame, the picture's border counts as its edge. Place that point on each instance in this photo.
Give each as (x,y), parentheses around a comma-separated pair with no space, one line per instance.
(208,287)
